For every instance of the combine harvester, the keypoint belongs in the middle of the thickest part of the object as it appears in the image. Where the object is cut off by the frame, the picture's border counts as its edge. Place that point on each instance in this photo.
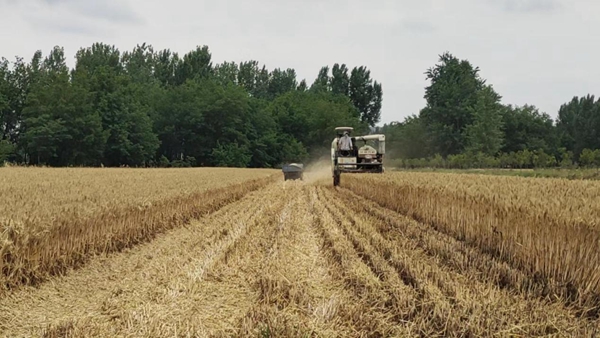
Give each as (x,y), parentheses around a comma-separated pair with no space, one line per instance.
(346,157)
(293,171)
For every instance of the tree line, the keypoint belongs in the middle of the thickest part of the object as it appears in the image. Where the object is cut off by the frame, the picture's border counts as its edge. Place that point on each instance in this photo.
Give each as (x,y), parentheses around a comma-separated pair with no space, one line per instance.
(465,125)
(155,108)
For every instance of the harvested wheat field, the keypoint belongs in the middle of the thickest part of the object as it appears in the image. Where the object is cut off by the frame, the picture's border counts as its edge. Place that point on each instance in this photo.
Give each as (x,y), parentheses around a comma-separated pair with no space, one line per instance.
(55,219)
(391,255)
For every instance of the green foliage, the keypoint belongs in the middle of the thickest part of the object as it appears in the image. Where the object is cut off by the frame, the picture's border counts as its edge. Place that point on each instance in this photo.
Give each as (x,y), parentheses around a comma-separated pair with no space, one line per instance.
(464,125)
(590,158)
(5,89)
(451,98)
(407,139)
(310,118)
(578,124)
(58,126)
(230,155)
(485,134)
(6,150)
(154,108)
(565,158)
(196,64)
(526,128)
(281,82)
(365,94)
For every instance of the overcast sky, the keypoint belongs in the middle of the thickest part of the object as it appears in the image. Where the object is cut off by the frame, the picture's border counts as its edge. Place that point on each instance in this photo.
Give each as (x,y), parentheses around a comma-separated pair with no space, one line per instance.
(541,52)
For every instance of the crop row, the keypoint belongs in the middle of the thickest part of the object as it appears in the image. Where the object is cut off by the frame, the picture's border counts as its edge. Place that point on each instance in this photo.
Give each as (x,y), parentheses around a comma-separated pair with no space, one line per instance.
(31,252)
(542,231)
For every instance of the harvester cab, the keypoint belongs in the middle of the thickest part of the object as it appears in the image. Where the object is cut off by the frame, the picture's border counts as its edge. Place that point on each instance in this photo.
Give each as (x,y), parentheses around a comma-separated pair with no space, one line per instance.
(347,157)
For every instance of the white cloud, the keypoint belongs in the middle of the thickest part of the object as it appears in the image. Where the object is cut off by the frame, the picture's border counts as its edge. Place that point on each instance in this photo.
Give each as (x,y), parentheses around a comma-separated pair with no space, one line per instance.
(533,51)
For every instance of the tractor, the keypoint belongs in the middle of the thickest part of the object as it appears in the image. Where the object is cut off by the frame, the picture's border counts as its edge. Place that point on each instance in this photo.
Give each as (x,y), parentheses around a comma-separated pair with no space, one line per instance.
(348,157)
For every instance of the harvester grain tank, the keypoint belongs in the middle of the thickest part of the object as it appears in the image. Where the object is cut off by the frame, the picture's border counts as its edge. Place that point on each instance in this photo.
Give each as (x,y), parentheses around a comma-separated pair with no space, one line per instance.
(348,157)
(293,171)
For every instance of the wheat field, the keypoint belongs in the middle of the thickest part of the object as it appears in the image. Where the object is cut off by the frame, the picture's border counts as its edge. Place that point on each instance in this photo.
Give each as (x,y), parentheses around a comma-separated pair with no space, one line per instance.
(242,253)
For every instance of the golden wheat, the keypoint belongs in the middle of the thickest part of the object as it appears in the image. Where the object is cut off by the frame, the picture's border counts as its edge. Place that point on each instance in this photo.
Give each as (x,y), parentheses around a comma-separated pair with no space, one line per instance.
(298,259)
(544,230)
(41,196)
(447,302)
(52,232)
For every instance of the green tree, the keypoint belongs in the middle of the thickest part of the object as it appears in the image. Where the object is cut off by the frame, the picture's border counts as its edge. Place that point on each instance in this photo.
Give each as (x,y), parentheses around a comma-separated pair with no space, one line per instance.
(230,155)
(5,90)
(6,150)
(165,64)
(526,128)
(322,82)
(485,134)
(340,80)
(302,86)
(227,72)
(256,81)
(366,95)
(58,127)
(262,135)
(196,64)
(179,121)
(202,115)
(566,157)
(247,74)
(407,139)
(578,124)
(225,118)
(15,85)
(145,107)
(311,117)
(589,158)
(139,68)
(281,82)
(453,92)
(139,64)
(114,96)
(542,160)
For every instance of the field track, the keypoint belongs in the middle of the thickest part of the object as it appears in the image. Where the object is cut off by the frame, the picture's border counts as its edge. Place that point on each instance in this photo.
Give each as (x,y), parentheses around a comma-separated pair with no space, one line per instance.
(292,259)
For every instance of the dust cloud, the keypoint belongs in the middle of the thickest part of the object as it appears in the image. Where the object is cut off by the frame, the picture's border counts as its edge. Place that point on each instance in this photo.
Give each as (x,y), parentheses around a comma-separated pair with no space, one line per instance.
(317,171)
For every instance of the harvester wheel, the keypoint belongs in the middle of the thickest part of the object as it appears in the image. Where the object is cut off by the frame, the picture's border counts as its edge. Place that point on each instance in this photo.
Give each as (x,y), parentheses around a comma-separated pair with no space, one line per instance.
(336,179)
